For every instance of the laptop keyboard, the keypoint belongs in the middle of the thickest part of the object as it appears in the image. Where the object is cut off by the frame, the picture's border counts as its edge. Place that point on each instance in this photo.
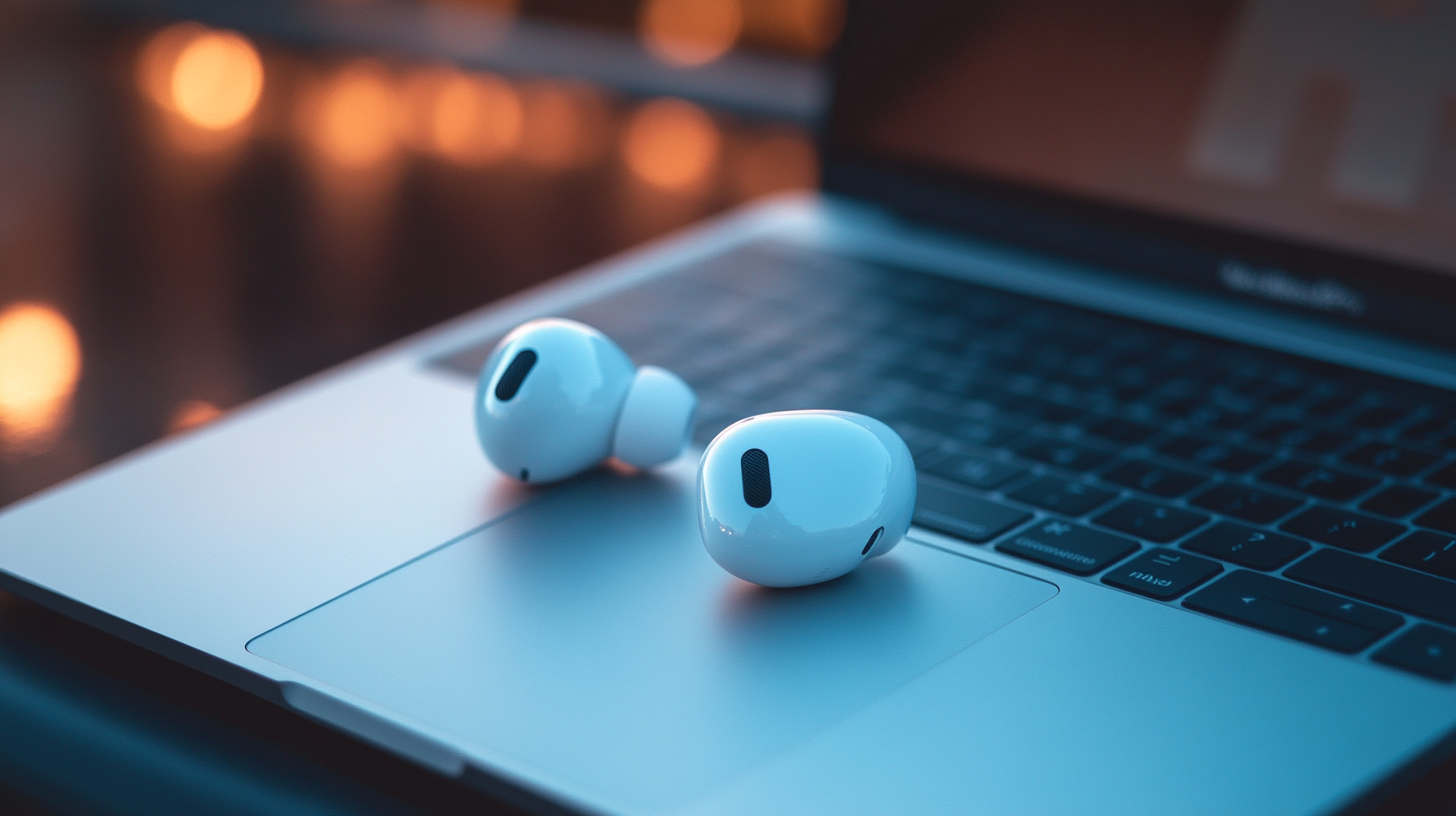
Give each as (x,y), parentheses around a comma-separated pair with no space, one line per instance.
(1296,497)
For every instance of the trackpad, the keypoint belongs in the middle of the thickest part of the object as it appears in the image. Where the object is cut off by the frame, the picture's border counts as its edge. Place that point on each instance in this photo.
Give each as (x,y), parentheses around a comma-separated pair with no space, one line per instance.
(591,638)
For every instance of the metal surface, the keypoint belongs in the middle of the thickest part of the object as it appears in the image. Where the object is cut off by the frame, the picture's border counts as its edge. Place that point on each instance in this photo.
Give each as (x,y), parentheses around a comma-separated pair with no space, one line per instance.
(591,635)
(1093,701)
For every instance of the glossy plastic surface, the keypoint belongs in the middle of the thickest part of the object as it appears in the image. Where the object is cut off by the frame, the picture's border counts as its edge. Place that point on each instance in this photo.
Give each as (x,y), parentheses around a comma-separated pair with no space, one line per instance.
(836,477)
(560,419)
(656,420)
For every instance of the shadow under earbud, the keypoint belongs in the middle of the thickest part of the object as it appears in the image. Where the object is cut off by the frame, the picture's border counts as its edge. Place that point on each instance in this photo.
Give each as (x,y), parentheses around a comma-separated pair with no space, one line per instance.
(849,618)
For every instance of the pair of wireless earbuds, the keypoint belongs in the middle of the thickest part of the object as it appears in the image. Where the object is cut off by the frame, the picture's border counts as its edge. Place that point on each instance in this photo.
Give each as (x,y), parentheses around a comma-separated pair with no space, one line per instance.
(784,499)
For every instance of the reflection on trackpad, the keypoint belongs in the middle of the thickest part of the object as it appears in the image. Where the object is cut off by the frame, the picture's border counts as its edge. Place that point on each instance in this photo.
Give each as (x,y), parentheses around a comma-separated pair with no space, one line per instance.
(591,637)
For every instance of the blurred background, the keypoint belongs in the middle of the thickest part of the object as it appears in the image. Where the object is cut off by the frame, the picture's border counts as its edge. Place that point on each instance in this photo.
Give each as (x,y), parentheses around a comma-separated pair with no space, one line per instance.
(201,202)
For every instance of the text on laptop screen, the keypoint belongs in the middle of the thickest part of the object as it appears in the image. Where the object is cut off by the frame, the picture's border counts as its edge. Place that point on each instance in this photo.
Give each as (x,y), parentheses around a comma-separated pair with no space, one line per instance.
(1328,122)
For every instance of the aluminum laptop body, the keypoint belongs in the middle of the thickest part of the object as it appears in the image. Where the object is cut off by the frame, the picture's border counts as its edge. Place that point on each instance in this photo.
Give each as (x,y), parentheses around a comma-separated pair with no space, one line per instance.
(1068,629)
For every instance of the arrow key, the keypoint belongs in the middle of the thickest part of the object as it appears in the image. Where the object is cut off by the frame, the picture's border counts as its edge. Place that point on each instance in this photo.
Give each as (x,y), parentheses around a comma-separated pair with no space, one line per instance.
(1306,614)
(1423,649)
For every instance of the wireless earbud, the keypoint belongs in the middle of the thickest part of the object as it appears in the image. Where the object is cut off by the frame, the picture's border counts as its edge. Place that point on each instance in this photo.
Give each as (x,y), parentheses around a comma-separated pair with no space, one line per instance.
(799,497)
(557,397)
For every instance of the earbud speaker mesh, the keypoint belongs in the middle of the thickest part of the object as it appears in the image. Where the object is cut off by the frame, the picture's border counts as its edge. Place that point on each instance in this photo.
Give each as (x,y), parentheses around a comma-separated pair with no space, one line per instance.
(515,374)
(757,489)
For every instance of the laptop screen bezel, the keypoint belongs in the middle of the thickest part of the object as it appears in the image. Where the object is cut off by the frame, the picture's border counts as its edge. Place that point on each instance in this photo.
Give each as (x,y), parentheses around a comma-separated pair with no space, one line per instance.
(1393,298)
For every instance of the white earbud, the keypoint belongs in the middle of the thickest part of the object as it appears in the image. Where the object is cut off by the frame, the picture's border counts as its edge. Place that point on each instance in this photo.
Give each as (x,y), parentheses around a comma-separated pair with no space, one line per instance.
(799,497)
(557,397)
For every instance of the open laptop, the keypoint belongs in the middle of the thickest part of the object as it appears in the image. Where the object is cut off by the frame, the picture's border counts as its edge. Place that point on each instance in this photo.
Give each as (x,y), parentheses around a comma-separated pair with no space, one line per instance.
(1157,293)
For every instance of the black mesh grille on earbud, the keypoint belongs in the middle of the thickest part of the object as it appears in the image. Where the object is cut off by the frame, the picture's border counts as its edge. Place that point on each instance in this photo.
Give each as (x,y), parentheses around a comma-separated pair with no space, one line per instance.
(510,382)
(757,489)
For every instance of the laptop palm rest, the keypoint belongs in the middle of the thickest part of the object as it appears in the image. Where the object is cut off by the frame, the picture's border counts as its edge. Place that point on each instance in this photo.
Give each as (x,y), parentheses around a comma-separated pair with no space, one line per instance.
(590,636)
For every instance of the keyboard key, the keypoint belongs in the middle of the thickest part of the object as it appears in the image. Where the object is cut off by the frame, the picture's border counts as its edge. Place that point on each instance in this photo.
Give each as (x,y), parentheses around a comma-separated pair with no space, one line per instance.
(1226,457)
(1155,522)
(1431,431)
(1051,412)
(924,446)
(1288,609)
(1398,501)
(1126,431)
(1378,417)
(1379,582)
(985,434)
(1426,551)
(1302,436)
(953,511)
(928,418)
(1423,649)
(1346,529)
(1443,477)
(1057,452)
(1163,574)
(1182,407)
(1071,498)
(1247,546)
(1223,417)
(1318,440)
(1441,517)
(1317,480)
(1387,458)
(1331,405)
(1245,502)
(987,474)
(1068,547)
(1162,481)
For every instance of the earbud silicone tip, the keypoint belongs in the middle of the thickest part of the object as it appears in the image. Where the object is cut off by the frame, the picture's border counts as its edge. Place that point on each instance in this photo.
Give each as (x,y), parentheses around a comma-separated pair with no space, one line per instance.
(656,419)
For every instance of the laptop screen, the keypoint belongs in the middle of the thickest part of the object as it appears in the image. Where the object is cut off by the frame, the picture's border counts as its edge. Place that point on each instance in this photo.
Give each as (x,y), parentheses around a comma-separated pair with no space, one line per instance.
(1298,151)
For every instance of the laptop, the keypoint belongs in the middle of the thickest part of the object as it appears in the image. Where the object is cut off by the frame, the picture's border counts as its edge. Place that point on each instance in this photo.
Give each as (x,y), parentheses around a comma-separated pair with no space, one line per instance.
(1159,296)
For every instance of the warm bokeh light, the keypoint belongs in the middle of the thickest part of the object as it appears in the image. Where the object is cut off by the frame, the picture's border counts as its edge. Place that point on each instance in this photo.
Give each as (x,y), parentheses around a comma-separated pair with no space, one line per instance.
(40,360)
(209,79)
(159,57)
(775,163)
(690,32)
(217,80)
(192,413)
(671,143)
(350,116)
(471,119)
(418,92)
(566,124)
(807,27)
(476,119)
